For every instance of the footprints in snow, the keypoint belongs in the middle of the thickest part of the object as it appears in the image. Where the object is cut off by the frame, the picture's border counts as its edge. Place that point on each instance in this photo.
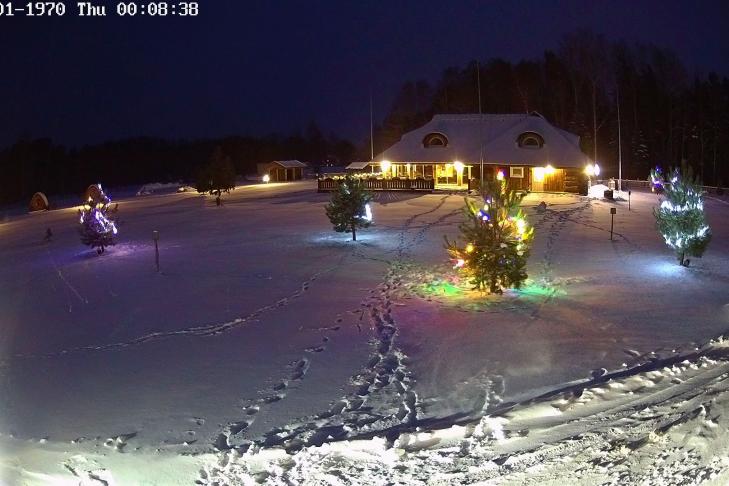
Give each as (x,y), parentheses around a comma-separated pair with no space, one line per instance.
(385,378)
(200,331)
(233,434)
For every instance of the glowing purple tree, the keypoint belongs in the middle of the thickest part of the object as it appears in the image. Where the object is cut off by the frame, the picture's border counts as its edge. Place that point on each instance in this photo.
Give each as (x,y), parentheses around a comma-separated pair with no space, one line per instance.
(97,227)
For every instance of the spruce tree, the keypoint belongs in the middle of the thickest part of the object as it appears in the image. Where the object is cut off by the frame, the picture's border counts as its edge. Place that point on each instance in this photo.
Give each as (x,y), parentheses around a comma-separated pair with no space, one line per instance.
(680,217)
(496,239)
(349,206)
(218,175)
(97,227)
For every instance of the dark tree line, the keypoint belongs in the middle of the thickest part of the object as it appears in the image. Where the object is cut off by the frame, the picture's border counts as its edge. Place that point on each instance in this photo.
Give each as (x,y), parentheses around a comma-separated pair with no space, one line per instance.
(667,114)
(32,165)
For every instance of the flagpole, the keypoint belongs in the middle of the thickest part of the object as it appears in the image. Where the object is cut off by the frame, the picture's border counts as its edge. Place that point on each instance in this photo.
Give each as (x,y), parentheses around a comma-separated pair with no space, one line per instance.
(480,122)
(620,148)
(372,132)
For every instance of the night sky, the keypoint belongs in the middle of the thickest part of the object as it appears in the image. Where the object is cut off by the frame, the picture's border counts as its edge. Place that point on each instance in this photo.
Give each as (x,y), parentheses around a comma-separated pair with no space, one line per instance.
(259,67)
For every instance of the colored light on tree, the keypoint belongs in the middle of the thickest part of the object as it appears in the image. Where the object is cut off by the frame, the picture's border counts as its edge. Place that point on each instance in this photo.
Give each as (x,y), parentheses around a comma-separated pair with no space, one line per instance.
(497,239)
(97,227)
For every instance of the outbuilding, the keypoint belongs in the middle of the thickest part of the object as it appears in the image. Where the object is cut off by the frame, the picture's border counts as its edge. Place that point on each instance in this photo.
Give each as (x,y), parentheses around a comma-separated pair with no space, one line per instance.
(282,170)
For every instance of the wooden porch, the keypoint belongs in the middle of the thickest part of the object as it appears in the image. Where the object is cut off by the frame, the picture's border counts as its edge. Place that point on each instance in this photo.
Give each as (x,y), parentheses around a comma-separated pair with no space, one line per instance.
(372,184)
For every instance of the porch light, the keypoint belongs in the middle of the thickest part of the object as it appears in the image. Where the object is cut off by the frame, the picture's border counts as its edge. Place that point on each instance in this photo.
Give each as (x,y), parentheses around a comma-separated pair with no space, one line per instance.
(592,170)
(538,174)
(549,170)
(459,166)
(266,178)
(385,166)
(500,175)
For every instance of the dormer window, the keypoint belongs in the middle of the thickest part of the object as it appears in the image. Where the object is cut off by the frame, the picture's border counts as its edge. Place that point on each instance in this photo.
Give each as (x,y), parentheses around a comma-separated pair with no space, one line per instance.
(530,140)
(435,140)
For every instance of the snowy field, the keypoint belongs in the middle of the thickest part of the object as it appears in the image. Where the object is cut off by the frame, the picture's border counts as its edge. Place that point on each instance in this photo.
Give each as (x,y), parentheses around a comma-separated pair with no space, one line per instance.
(271,349)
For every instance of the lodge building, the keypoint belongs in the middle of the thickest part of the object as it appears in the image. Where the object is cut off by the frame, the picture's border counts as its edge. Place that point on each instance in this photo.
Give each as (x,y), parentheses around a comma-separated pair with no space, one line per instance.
(451,150)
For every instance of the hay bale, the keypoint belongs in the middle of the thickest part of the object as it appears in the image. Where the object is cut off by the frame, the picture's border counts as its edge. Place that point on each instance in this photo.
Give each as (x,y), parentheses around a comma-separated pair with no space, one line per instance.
(39,202)
(93,194)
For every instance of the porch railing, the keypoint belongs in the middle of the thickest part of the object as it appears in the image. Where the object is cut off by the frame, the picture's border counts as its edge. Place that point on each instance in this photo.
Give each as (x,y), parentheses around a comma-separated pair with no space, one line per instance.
(394,184)
(646,184)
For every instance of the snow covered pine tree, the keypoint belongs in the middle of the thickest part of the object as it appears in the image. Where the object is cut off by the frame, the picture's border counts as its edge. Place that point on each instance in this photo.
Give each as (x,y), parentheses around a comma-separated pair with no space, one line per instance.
(97,227)
(680,217)
(497,238)
(217,176)
(349,207)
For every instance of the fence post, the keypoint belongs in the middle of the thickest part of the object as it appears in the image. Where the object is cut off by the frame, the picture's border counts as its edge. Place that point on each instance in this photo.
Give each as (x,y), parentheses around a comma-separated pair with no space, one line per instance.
(612,220)
(155,235)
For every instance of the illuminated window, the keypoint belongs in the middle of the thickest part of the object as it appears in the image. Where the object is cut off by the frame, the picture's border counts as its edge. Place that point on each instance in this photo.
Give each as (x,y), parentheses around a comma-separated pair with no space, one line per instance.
(516,172)
(530,140)
(435,140)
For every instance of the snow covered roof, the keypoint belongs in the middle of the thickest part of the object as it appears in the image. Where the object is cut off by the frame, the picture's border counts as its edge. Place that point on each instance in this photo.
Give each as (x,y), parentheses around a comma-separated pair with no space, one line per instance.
(358,165)
(497,134)
(289,164)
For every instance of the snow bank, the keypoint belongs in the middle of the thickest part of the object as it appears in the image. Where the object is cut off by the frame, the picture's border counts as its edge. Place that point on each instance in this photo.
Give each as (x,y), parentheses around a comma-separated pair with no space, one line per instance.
(597,191)
(163,188)
(661,423)
(666,425)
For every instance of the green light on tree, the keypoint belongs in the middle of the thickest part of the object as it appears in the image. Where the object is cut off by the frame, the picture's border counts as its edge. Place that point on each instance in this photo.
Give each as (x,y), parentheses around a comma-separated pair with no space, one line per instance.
(496,240)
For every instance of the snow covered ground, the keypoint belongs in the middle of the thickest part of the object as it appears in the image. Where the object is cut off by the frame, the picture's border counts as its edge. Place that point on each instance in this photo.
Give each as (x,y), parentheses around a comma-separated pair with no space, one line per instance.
(270,348)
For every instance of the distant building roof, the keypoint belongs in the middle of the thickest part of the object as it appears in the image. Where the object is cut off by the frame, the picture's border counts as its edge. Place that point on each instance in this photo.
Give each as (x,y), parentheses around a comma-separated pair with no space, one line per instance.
(358,165)
(331,169)
(289,164)
(498,137)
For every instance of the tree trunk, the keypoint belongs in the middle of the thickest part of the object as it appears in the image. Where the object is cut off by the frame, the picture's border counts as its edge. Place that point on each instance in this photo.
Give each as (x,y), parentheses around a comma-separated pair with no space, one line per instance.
(354,231)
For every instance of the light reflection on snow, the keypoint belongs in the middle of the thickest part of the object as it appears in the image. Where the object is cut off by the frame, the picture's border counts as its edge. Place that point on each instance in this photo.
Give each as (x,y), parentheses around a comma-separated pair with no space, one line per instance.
(666,268)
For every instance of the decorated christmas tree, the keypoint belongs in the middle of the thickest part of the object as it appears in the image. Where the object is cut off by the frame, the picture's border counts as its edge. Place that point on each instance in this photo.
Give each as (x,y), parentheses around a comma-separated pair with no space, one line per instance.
(349,207)
(680,217)
(496,238)
(97,227)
